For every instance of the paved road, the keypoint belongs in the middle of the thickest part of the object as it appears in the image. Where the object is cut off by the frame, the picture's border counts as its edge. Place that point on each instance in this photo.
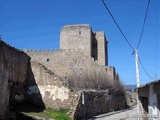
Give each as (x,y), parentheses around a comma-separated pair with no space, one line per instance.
(127,114)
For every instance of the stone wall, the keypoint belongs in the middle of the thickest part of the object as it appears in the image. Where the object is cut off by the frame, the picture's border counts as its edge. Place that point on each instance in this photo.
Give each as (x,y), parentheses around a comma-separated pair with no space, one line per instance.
(94,102)
(81,36)
(131,98)
(55,93)
(111,72)
(65,62)
(76,37)
(102,48)
(22,79)
(13,73)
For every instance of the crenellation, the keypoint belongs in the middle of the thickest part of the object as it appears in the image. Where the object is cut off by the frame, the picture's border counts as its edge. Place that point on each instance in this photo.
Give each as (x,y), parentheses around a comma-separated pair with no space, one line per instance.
(43,52)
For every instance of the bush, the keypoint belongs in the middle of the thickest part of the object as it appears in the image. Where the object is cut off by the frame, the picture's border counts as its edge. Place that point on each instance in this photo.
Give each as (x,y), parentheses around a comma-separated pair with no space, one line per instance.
(95,78)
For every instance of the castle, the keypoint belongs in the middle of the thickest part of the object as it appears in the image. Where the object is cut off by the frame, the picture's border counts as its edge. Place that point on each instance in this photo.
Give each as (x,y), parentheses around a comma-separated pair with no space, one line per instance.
(80,46)
(42,76)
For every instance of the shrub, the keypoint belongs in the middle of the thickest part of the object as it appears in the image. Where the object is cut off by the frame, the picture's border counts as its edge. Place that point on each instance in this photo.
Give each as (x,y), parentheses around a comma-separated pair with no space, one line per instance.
(95,78)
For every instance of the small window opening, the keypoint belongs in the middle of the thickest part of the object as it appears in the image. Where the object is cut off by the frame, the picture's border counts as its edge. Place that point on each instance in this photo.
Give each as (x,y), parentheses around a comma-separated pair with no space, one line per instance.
(80,32)
(47,60)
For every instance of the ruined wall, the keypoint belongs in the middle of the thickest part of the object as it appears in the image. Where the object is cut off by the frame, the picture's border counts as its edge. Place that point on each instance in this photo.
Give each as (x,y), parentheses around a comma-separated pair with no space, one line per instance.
(76,37)
(55,93)
(13,73)
(93,103)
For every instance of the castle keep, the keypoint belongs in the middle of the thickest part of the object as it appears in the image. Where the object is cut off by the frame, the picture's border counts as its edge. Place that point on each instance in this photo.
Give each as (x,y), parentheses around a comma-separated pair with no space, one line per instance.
(81,37)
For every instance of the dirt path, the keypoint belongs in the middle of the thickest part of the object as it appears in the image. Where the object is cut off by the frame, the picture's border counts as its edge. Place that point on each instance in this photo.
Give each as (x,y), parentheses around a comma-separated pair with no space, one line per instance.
(127,114)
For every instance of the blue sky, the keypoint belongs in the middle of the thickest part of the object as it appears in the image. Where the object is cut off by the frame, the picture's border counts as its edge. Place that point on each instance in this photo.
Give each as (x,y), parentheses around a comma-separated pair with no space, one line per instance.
(36,24)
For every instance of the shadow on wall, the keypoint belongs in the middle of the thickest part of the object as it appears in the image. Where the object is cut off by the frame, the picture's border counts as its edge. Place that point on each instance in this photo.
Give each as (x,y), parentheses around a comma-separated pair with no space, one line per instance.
(22,101)
(15,77)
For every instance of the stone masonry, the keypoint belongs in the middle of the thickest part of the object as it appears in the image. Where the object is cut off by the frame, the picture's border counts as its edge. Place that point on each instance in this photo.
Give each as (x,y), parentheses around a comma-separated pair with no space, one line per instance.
(81,36)
(13,74)
(54,92)
(79,46)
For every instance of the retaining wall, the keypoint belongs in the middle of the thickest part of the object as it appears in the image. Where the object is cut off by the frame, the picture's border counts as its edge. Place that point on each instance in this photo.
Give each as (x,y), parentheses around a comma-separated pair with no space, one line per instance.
(94,102)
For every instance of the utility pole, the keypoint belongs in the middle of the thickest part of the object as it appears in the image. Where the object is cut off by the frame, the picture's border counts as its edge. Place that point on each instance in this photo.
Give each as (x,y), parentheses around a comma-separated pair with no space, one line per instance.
(83,104)
(138,82)
(137,68)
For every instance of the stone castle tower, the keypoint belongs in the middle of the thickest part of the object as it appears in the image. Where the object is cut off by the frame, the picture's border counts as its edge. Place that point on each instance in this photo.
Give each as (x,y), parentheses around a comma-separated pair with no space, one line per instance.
(81,37)
(80,47)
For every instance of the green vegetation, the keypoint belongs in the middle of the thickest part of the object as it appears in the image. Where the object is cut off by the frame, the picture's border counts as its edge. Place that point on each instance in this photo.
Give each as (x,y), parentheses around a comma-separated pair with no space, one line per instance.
(49,113)
(28,110)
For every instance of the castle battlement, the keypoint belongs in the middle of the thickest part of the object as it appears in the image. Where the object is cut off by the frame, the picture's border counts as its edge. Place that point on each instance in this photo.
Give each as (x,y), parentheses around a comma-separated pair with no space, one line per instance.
(39,50)
(50,50)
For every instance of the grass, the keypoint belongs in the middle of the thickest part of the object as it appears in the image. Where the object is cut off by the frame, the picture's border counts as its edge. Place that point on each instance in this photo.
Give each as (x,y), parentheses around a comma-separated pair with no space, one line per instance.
(55,114)
(26,109)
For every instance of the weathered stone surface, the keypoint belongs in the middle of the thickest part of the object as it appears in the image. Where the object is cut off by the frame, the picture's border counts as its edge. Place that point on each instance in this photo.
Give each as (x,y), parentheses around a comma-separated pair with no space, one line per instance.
(76,36)
(13,73)
(98,102)
(55,93)
(81,37)
(131,98)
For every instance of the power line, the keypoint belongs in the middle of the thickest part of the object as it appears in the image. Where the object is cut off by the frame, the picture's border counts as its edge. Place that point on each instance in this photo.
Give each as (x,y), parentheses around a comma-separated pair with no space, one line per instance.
(117,24)
(125,36)
(144,68)
(143,24)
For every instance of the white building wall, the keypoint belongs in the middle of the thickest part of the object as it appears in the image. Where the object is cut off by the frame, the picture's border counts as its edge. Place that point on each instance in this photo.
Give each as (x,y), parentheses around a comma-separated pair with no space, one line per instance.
(153,110)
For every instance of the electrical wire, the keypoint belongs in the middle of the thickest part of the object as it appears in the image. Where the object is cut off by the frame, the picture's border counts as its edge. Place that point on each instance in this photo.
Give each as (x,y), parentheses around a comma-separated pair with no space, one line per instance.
(125,36)
(144,68)
(117,24)
(143,24)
